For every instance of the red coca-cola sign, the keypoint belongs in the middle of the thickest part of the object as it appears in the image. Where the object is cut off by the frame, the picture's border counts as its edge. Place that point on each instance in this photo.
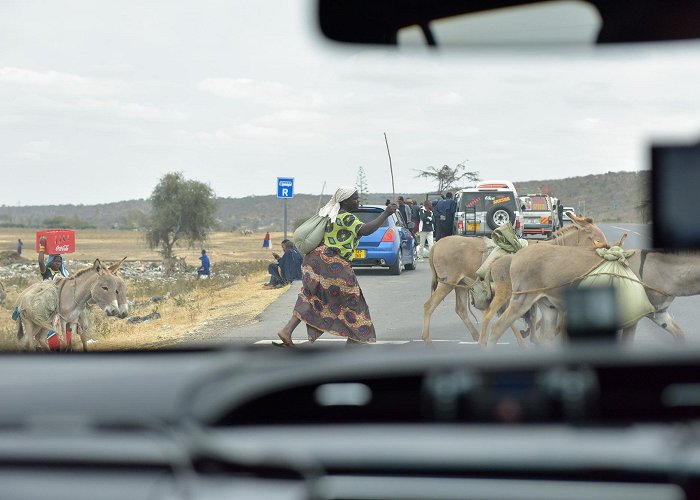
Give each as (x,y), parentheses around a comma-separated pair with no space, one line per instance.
(57,240)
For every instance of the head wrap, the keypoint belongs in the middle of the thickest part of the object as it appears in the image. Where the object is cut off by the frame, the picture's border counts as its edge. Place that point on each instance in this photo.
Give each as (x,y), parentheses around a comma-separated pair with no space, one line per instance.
(332,208)
(62,269)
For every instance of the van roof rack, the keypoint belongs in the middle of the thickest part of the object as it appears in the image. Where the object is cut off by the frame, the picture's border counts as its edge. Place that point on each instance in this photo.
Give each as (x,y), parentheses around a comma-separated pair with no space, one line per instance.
(494,184)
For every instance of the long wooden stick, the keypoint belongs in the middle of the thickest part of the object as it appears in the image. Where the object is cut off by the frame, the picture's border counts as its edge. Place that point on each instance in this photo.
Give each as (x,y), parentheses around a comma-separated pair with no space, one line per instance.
(319,198)
(391,169)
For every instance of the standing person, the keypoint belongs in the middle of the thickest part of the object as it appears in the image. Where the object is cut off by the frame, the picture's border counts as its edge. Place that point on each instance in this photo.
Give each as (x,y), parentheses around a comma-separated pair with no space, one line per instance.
(426,227)
(560,214)
(266,240)
(436,231)
(203,270)
(445,215)
(19,247)
(54,264)
(287,268)
(331,299)
(415,215)
(404,212)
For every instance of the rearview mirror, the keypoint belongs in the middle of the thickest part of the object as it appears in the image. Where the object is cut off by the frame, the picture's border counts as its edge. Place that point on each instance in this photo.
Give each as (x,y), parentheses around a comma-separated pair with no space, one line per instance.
(509,22)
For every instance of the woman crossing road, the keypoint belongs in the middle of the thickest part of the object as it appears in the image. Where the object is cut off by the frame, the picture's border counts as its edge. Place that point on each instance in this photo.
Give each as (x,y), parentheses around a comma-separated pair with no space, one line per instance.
(331,299)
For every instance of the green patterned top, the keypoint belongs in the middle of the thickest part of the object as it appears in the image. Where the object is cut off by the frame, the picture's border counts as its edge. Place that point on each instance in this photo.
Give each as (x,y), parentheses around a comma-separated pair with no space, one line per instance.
(342,234)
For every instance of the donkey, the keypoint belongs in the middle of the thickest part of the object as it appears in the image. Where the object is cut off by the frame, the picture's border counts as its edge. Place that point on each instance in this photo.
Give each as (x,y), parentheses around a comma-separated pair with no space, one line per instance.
(122,302)
(543,272)
(667,275)
(583,233)
(95,285)
(122,299)
(454,261)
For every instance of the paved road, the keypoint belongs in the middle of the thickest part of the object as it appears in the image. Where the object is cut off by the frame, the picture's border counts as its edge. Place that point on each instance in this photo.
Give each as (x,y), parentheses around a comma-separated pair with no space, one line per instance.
(396,304)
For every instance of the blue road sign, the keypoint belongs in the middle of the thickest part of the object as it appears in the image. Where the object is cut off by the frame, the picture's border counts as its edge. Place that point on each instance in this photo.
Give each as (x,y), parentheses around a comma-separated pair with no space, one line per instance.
(285,187)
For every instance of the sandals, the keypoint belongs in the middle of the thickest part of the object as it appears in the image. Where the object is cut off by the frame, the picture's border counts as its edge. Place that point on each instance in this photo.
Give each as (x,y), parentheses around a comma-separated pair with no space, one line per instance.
(285,342)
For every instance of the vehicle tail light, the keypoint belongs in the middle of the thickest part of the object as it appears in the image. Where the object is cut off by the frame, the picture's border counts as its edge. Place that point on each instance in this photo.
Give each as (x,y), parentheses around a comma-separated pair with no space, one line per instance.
(389,235)
(517,223)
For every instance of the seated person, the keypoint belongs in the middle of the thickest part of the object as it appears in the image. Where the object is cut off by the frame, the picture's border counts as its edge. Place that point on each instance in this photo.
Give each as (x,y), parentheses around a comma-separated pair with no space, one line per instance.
(287,268)
(203,270)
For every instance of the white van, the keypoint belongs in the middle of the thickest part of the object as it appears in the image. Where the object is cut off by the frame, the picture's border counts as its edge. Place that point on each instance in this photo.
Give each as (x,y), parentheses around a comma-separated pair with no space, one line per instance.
(539,214)
(485,207)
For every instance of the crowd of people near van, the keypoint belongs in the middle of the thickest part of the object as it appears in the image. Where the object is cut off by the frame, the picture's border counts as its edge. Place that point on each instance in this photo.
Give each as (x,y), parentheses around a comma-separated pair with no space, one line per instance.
(428,221)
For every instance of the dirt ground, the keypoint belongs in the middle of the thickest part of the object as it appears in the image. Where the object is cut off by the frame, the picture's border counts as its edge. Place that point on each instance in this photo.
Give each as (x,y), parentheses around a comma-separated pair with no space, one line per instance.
(202,315)
(191,309)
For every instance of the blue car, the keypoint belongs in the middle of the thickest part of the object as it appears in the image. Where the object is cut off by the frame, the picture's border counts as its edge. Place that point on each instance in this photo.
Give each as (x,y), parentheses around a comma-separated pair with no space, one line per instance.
(391,246)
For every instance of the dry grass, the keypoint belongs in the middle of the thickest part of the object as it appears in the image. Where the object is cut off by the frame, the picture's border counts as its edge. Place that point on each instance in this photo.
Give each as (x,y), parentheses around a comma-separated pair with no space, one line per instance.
(184,317)
(113,245)
(234,294)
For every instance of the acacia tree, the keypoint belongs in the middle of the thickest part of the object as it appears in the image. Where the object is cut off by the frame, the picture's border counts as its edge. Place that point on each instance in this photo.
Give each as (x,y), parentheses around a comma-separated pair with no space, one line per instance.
(447,177)
(182,211)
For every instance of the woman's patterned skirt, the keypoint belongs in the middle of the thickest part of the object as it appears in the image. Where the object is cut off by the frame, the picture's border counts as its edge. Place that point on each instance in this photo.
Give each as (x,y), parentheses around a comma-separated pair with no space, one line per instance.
(331,299)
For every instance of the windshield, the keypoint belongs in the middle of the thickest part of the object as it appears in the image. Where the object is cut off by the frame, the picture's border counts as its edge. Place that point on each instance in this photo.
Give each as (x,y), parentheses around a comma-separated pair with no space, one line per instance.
(484,200)
(536,203)
(171,148)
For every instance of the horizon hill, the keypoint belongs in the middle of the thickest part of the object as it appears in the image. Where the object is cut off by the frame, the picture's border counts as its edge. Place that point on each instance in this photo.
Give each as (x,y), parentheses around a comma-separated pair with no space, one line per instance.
(609,197)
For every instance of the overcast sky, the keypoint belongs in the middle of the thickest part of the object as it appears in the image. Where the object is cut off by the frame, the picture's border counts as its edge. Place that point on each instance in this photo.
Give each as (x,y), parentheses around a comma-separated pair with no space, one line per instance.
(99,99)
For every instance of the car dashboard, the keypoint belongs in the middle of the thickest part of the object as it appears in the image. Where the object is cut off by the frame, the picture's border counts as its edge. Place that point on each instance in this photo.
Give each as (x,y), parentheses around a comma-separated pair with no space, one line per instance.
(386,423)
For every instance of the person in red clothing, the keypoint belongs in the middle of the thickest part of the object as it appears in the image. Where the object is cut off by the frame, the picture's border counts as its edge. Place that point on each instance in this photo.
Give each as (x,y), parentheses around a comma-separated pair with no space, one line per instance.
(266,240)
(52,268)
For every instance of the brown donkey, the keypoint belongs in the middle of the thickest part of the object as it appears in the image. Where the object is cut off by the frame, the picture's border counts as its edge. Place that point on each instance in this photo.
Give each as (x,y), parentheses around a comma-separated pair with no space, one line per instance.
(454,261)
(543,272)
(583,233)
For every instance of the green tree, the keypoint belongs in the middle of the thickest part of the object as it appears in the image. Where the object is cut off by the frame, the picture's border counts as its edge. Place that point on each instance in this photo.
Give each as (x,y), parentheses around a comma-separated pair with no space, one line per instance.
(361,185)
(181,211)
(134,219)
(447,177)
